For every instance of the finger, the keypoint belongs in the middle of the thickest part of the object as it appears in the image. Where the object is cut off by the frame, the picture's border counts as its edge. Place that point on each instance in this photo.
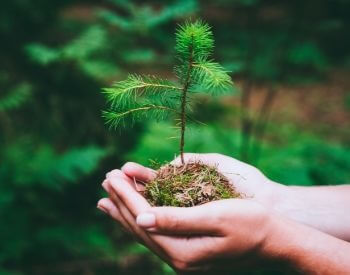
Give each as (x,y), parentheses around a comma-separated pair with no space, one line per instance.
(194,250)
(116,173)
(135,202)
(137,231)
(118,186)
(141,173)
(204,219)
(117,176)
(107,206)
(105,185)
(125,217)
(131,204)
(173,247)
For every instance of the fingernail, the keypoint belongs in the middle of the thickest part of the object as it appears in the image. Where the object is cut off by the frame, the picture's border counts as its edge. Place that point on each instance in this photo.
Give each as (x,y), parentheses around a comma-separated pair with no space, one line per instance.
(102,209)
(146,220)
(104,185)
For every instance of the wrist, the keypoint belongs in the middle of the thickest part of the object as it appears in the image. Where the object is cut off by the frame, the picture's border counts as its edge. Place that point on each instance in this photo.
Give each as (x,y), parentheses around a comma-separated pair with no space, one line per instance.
(302,249)
(288,202)
(273,248)
(293,203)
(277,198)
(323,208)
(285,246)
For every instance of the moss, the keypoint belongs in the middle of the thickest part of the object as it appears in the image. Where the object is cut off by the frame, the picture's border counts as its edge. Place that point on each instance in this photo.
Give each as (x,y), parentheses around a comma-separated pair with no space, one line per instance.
(188,185)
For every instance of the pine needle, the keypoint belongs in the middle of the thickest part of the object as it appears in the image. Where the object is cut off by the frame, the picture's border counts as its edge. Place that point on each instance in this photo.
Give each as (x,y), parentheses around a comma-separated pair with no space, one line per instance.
(141,96)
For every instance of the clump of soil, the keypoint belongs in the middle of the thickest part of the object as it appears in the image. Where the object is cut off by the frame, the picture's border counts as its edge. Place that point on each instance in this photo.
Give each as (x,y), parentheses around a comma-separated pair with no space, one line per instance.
(188,185)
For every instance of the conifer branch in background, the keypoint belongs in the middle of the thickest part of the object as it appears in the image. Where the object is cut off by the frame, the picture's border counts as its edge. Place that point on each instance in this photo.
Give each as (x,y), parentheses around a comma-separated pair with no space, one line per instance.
(139,96)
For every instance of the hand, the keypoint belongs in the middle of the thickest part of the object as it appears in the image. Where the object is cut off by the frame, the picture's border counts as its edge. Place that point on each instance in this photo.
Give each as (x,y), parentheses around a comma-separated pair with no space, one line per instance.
(232,232)
(224,234)
(323,208)
(246,179)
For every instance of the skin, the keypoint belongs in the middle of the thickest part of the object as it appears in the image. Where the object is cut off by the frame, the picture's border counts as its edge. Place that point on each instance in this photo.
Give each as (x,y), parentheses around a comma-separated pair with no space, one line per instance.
(237,234)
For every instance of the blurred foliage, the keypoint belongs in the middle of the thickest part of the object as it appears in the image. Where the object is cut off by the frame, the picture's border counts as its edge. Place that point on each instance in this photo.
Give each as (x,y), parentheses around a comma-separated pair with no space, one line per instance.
(80,51)
(15,98)
(56,55)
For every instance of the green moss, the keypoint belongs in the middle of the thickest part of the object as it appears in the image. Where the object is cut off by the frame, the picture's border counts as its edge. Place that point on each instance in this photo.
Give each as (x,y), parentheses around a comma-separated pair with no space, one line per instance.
(188,185)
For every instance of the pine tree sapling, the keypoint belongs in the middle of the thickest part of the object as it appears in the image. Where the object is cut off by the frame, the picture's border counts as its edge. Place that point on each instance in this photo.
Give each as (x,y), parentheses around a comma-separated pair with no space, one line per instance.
(138,96)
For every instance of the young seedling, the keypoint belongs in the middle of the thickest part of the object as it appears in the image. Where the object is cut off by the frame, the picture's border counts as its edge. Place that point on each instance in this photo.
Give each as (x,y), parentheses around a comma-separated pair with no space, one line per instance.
(139,96)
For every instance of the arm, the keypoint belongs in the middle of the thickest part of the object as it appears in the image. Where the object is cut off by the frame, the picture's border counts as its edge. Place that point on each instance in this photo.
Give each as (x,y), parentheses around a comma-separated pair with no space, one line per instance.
(324,208)
(307,250)
(203,238)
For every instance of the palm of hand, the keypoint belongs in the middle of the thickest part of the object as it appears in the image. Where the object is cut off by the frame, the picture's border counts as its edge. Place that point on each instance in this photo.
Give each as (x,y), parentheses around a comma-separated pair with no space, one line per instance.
(192,239)
(247,180)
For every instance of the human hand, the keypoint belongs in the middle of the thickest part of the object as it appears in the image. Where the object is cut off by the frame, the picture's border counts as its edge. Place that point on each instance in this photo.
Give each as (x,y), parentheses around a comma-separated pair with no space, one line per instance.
(323,208)
(124,205)
(246,179)
(232,232)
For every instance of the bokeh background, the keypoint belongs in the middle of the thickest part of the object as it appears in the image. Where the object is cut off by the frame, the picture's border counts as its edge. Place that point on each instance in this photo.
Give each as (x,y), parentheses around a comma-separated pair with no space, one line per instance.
(289,113)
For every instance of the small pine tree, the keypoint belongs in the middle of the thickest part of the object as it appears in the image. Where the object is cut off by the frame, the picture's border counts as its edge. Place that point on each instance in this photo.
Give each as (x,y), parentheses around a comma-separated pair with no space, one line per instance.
(139,96)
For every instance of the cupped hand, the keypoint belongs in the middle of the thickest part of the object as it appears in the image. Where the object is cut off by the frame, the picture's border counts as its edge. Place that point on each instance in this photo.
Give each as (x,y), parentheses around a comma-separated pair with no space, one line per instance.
(232,232)
(246,179)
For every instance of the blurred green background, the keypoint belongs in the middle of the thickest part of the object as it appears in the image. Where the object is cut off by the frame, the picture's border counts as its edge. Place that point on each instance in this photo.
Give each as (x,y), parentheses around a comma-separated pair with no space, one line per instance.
(289,114)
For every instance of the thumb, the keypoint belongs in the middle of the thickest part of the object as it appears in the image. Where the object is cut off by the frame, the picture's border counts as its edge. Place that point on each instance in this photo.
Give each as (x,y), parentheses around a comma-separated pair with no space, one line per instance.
(201,219)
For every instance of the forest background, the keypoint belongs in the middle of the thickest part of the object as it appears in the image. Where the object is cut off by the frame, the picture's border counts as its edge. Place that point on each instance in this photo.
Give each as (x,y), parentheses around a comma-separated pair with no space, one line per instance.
(289,113)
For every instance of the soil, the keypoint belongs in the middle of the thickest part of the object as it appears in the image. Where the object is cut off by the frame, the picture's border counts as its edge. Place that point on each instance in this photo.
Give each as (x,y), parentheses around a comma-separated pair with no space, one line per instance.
(188,185)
